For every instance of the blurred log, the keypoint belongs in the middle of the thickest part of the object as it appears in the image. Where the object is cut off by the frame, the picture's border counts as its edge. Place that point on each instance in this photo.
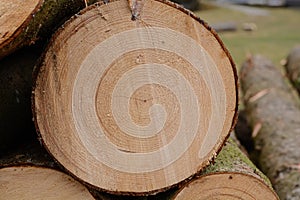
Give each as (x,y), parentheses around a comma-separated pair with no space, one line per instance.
(225,27)
(232,176)
(272,108)
(125,105)
(292,67)
(23,23)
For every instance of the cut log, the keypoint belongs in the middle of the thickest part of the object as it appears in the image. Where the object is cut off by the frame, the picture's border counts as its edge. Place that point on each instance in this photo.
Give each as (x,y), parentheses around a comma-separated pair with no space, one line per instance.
(135,106)
(24,22)
(292,67)
(232,176)
(31,182)
(16,126)
(273,112)
(28,172)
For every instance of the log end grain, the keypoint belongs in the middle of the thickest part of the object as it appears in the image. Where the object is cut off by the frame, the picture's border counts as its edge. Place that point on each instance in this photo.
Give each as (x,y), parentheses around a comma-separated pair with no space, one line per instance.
(30,182)
(226,186)
(135,106)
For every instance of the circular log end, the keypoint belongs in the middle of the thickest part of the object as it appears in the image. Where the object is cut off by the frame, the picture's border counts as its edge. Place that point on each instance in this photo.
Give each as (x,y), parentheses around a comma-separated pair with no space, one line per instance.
(29,182)
(135,106)
(229,186)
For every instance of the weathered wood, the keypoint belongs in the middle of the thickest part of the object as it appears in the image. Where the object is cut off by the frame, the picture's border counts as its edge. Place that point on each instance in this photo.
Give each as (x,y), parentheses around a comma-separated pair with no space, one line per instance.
(292,67)
(135,106)
(23,23)
(273,111)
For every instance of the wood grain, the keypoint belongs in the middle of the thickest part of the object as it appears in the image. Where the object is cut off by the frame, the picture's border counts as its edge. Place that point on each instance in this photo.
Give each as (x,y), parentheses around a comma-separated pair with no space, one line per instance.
(135,106)
(30,182)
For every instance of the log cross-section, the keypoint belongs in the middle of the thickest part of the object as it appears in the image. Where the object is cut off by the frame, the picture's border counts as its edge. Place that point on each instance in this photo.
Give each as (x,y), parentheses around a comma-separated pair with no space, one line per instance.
(33,182)
(135,106)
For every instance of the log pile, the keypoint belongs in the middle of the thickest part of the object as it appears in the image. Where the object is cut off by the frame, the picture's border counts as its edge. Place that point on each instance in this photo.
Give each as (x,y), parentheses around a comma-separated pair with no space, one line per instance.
(125,105)
(273,111)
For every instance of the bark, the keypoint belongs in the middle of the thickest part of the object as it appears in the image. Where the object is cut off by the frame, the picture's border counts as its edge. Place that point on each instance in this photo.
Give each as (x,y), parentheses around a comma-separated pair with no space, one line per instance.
(272,108)
(232,175)
(38,24)
(16,125)
(292,67)
(155,93)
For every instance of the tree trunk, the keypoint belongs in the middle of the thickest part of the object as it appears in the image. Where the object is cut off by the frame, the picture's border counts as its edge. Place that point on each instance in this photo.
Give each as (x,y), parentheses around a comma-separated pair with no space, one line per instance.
(232,176)
(23,23)
(293,67)
(126,104)
(273,112)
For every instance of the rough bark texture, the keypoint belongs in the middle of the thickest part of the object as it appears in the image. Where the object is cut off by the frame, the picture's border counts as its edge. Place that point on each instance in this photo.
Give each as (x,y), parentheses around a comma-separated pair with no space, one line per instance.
(292,67)
(16,124)
(272,108)
(40,24)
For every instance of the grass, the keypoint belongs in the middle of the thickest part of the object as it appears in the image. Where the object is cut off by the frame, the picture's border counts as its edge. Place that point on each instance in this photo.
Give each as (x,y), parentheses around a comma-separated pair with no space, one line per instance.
(277,33)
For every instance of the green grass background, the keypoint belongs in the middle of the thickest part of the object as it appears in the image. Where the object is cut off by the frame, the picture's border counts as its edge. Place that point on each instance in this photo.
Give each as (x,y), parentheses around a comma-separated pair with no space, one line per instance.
(277,33)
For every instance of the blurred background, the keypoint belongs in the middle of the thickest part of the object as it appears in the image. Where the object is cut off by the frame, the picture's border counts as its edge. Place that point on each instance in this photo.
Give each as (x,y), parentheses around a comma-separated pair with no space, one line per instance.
(268,27)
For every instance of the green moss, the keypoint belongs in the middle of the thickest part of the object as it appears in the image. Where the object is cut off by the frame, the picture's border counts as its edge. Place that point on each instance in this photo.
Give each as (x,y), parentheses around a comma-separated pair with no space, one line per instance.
(232,159)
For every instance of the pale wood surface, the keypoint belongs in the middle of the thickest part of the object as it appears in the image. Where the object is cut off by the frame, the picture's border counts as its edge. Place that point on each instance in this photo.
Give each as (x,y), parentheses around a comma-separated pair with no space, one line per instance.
(26,22)
(13,13)
(29,182)
(135,106)
(232,176)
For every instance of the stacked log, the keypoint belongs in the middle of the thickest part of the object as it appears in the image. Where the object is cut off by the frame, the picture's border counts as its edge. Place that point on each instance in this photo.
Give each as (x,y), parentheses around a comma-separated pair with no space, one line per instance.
(135,106)
(233,176)
(273,112)
(127,106)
